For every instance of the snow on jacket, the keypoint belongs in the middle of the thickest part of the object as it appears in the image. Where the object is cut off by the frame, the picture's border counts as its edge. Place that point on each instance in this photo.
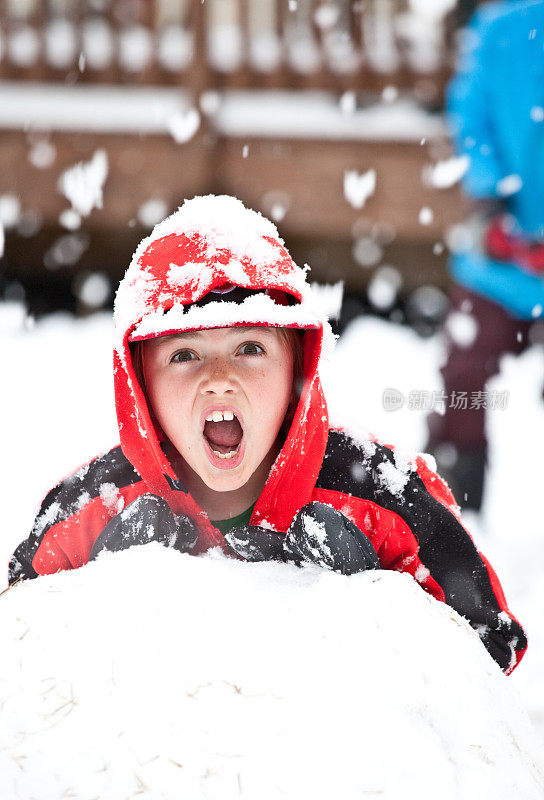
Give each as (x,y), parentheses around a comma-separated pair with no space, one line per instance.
(404,508)
(496,112)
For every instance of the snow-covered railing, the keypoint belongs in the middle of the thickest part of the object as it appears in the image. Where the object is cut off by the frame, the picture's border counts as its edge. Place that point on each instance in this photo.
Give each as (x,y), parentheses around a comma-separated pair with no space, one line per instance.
(318,44)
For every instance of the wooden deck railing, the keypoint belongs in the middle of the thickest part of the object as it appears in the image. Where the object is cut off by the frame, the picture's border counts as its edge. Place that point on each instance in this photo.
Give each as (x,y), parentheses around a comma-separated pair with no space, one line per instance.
(362,45)
(199,45)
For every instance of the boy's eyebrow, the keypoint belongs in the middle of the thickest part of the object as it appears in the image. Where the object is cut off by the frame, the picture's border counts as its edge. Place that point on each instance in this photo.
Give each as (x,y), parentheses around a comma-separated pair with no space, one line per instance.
(182,335)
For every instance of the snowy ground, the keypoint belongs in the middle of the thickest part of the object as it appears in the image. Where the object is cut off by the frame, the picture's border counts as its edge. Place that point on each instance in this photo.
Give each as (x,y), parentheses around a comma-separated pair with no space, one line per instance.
(224,680)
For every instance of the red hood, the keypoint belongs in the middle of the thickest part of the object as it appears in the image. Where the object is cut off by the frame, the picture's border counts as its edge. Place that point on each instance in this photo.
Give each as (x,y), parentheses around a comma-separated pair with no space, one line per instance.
(187,256)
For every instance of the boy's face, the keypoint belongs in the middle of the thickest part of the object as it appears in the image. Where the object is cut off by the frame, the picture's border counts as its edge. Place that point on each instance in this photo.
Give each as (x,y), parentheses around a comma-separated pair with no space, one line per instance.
(221,396)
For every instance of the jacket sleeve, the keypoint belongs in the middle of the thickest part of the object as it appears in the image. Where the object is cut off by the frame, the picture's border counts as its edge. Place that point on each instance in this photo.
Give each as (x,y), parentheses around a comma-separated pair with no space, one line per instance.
(73,515)
(411,517)
(469,110)
(469,582)
(61,537)
(68,524)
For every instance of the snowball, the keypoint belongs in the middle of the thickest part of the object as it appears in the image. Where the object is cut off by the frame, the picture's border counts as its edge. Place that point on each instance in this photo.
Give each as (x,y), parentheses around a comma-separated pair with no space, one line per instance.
(309,691)
(152,211)
(183,125)
(445,174)
(367,252)
(277,212)
(10,210)
(462,327)
(94,289)
(384,232)
(426,216)
(327,299)
(384,286)
(66,250)
(509,185)
(209,102)
(29,223)
(358,187)
(276,204)
(460,238)
(42,154)
(326,15)
(82,184)
(70,219)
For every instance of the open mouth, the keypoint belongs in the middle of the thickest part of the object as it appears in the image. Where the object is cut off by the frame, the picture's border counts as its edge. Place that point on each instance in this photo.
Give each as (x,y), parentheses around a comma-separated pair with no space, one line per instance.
(223,433)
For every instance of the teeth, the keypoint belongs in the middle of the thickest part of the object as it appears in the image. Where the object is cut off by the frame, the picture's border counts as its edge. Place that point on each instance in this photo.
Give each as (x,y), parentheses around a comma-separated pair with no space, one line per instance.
(230,454)
(219,416)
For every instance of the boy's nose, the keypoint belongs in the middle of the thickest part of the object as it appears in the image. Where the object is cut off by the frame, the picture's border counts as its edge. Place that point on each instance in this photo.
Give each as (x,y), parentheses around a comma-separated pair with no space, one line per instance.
(219,379)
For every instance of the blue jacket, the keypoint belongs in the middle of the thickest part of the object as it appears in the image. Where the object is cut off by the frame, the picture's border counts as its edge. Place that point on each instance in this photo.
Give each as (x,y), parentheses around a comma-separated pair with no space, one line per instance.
(496,113)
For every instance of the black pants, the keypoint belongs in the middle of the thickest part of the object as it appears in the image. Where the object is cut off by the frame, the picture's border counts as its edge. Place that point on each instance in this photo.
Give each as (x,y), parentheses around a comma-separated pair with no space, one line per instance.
(467,369)
(457,438)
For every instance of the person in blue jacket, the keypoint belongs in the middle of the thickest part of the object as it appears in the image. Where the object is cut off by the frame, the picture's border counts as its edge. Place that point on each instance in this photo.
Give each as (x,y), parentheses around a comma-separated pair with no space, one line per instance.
(496,114)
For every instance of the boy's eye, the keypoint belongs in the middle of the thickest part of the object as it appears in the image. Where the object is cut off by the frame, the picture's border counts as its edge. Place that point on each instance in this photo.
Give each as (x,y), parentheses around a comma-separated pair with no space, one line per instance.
(184,355)
(250,349)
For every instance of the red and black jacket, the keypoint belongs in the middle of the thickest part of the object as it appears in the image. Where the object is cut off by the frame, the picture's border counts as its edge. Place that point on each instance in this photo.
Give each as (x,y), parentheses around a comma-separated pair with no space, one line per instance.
(413,531)
(405,509)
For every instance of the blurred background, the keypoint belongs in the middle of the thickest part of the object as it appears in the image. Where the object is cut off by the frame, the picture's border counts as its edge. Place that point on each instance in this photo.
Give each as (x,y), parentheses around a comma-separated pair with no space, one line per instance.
(324,114)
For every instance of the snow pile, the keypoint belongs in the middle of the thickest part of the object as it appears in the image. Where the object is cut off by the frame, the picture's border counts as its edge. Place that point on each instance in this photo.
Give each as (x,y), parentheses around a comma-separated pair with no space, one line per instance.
(225,679)
(57,412)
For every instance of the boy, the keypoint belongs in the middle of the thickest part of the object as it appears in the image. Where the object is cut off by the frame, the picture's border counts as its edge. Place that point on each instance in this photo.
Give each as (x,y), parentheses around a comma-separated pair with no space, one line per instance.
(225,439)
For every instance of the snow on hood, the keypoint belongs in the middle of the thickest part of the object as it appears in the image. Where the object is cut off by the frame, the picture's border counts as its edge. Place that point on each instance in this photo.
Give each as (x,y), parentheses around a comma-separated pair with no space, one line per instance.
(211,243)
